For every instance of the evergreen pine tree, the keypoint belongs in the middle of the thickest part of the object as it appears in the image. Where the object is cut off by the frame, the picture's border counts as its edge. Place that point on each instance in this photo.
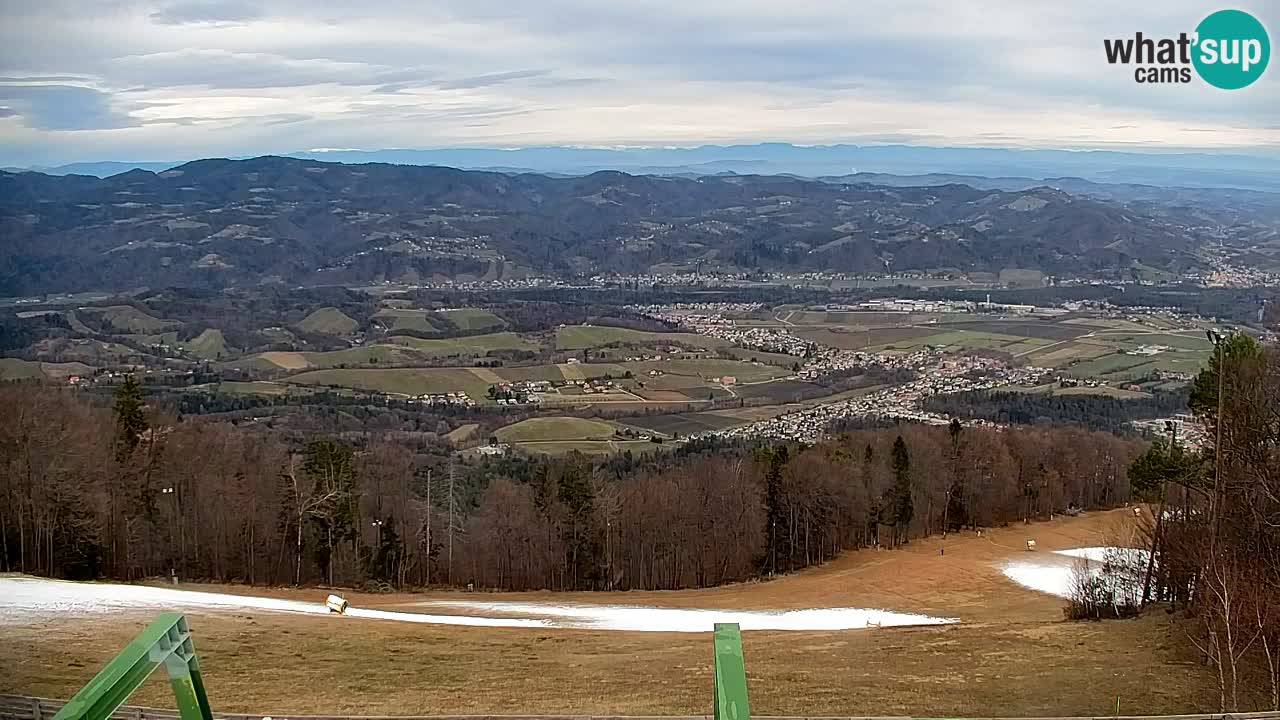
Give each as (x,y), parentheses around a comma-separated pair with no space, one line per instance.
(131,422)
(903,508)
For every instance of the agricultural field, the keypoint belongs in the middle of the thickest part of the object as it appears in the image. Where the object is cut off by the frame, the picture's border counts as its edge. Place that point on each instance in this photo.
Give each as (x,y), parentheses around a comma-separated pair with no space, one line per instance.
(328,321)
(850,339)
(17,369)
(699,371)
(209,345)
(402,319)
(128,319)
(590,447)
(349,357)
(470,345)
(545,429)
(579,337)
(470,319)
(1081,346)
(405,382)
(682,423)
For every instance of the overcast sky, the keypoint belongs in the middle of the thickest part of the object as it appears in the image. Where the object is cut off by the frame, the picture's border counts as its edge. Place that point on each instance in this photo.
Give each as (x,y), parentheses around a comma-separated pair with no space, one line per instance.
(179,79)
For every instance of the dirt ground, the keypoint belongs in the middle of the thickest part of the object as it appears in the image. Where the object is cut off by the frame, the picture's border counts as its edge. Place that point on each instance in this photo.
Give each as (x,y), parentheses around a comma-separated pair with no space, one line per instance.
(1011,654)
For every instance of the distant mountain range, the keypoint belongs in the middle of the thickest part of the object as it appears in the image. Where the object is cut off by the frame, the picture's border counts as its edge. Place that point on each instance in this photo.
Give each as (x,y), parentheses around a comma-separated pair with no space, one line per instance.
(226,223)
(1225,170)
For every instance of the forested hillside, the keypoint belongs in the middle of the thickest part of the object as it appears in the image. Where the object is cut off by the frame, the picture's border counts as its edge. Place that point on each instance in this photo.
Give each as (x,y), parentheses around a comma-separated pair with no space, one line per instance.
(130,492)
(225,223)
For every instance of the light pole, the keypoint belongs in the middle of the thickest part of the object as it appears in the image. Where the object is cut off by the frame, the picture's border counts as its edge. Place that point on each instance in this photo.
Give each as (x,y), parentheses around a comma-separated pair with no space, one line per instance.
(173,520)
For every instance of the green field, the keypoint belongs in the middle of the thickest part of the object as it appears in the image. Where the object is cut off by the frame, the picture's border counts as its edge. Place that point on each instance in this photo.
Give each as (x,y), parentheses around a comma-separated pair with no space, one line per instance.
(128,319)
(472,319)
(1106,364)
(399,320)
(579,337)
(968,339)
(593,447)
(208,345)
(472,345)
(1181,341)
(400,381)
(682,423)
(546,429)
(232,387)
(16,369)
(710,369)
(328,321)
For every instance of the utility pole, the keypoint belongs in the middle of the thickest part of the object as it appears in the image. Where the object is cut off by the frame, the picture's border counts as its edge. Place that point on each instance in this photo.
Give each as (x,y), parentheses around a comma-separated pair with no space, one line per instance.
(1218,342)
(430,511)
(452,505)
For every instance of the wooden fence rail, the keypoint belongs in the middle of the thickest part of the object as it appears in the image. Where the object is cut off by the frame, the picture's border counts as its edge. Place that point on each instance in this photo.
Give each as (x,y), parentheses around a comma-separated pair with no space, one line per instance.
(21,707)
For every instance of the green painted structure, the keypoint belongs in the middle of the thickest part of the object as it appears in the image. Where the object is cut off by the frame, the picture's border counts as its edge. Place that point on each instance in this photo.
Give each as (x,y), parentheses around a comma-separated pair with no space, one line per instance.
(167,642)
(731,675)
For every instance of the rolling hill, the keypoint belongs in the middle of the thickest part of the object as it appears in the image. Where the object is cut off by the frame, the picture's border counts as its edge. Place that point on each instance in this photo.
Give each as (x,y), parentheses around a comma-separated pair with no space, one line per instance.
(225,223)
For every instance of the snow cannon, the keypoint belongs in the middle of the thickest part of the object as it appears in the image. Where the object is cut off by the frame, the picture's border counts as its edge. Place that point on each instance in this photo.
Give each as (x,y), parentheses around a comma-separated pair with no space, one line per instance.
(1031,546)
(336,604)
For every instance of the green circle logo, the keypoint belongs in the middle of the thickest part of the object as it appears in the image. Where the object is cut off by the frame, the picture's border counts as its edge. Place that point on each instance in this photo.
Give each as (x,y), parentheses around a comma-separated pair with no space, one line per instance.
(1232,49)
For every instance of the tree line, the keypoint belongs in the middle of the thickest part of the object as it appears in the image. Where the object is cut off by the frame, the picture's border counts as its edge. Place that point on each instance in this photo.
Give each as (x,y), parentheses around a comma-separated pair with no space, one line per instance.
(1096,412)
(130,491)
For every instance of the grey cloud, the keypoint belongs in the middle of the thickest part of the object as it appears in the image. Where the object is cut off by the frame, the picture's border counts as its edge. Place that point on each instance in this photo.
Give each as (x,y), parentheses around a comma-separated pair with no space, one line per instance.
(7,112)
(224,69)
(567,63)
(478,81)
(41,79)
(64,107)
(206,11)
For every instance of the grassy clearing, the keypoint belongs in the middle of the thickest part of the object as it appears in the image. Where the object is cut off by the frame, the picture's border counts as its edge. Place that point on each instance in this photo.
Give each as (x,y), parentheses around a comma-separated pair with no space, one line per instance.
(462,433)
(328,321)
(472,345)
(545,429)
(578,337)
(472,318)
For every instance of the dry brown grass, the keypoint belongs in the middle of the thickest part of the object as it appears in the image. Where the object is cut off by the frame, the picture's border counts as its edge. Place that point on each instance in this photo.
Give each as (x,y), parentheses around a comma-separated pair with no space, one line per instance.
(1011,655)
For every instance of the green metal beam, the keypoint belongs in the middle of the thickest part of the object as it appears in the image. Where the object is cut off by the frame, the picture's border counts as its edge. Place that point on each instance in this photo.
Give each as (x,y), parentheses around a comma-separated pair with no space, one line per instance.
(167,641)
(731,675)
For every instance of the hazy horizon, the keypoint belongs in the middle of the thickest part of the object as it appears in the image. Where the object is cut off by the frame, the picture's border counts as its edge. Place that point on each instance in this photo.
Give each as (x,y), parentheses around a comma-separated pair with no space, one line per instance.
(162,80)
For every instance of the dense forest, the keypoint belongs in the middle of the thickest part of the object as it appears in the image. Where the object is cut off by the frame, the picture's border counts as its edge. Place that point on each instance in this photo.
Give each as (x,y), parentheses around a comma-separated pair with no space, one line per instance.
(129,491)
(1096,412)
